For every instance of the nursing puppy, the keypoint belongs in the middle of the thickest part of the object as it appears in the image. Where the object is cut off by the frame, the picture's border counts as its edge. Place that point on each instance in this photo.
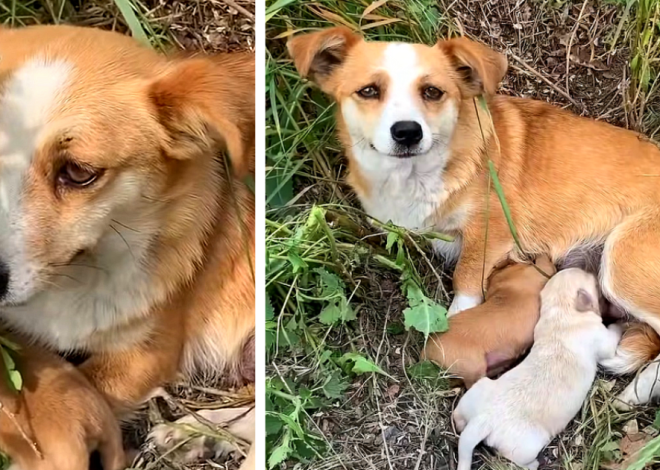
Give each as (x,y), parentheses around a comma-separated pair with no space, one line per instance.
(484,340)
(61,414)
(126,230)
(522,411)
(418,139)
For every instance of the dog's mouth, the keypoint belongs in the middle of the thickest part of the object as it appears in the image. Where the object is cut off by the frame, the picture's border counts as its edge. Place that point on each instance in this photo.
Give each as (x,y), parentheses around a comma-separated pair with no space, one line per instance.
(401,152)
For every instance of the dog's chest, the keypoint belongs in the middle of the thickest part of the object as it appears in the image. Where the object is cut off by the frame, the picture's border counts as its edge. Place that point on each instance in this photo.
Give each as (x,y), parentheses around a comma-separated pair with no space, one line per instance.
(409,197)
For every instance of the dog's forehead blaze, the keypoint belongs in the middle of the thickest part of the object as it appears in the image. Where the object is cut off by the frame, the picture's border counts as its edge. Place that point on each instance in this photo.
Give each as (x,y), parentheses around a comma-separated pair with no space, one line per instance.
(398,62)
(28,100)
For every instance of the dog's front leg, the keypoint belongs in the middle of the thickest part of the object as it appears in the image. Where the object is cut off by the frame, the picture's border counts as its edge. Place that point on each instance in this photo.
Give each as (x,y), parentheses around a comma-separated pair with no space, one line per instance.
(129,376)
(481,251)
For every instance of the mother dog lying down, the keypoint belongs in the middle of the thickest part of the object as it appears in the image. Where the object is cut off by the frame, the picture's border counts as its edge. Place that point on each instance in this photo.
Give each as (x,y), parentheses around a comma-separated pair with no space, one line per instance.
(124,232)
(418,140)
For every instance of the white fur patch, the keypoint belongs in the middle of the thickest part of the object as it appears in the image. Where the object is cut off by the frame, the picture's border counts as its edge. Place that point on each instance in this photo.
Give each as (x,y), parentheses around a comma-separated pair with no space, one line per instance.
(463,302)
(642,390)
(26,104)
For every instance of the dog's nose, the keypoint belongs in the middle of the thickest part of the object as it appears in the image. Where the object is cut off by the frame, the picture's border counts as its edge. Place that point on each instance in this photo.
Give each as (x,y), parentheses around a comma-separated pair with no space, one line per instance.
(407,133)
(4,280)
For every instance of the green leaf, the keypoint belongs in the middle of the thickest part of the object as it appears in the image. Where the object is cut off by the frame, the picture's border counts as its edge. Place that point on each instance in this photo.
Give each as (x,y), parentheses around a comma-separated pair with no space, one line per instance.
(279,455)
(270,311)
(273,424)
(331,284)
(424,370)
(392,238)
(337,311)
(9,361)
(16,380)
(334,387)
(649,453)
(656,421)
(423,314)
(362,365)
(296,261)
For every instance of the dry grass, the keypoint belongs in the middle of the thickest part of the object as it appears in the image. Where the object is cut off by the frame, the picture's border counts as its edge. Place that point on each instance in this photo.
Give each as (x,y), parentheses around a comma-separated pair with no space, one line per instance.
(210,26)
(578,55)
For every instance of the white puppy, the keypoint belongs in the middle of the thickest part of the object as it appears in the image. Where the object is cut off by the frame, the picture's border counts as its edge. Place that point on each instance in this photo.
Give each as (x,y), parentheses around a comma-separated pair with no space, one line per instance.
(522,411)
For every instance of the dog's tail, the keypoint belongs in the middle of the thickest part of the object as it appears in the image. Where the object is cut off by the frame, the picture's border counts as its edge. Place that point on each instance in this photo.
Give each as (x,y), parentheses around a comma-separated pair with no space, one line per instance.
(640,345)
(472,435)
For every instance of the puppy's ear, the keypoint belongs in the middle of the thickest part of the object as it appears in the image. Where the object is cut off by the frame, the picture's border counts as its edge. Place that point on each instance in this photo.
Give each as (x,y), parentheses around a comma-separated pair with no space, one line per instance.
(208,102)
(317,55)
(480,69)
(585,302)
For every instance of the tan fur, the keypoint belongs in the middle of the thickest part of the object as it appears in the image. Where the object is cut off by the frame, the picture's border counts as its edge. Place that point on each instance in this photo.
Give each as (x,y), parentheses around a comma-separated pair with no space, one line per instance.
(62,415)
(568,180)
(503,325)
(165,119)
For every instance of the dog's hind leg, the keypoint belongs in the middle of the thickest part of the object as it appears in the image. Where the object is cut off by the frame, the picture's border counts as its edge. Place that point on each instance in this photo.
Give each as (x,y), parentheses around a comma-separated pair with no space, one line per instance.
(630,273)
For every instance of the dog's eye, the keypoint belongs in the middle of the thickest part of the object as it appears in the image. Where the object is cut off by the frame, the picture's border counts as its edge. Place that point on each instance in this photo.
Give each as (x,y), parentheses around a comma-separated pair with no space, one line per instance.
(369,92)
(432,93)
(73,174)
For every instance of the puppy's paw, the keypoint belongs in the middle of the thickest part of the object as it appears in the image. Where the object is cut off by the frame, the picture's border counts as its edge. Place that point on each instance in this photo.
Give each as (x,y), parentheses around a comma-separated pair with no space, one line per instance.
(191,440)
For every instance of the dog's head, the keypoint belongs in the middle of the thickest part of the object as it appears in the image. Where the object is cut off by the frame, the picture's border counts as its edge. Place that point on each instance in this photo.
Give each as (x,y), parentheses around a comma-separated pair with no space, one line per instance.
(571,290)
(399,100)
(99,138)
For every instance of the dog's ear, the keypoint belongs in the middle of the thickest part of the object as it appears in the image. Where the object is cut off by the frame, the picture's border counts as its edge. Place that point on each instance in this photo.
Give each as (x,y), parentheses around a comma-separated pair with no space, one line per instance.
(480,69)
(585,302)
(208,102)
(317,55)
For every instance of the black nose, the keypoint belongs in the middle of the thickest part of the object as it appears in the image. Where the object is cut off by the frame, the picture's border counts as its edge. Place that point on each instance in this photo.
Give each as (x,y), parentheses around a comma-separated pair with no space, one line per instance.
(407,133)
(4,280)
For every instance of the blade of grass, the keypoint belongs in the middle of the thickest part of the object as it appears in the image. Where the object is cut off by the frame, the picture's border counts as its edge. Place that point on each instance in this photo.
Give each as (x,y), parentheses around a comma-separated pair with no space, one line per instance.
(128,10)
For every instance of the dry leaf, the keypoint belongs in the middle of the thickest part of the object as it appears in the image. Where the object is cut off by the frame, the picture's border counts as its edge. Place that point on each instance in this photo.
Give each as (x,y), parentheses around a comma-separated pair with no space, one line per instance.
(393,391)
(373,6)
(380,23)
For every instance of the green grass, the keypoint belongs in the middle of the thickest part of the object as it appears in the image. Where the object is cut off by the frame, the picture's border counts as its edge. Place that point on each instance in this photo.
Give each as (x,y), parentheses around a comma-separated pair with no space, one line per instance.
(324,259)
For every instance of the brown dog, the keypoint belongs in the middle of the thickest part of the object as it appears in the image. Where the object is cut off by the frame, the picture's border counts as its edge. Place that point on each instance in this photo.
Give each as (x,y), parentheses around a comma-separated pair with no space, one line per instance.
(484,339)
(64,417)
(419,125)
(126,229)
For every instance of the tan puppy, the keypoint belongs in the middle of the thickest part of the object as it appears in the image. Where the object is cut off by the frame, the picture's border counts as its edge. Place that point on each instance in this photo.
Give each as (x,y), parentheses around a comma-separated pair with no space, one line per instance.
(126,230)
(522,411)
(485,339)
(418,138)
(61,413)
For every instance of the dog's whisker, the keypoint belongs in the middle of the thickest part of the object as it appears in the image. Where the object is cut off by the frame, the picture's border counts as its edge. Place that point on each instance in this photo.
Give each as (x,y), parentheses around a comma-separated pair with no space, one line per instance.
(130,250)
(125,226)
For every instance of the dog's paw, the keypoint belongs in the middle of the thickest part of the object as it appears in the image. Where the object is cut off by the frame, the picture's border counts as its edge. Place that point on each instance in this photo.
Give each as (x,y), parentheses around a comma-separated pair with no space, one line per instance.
(640,391)
(178,439)
(183,439)
(463,302)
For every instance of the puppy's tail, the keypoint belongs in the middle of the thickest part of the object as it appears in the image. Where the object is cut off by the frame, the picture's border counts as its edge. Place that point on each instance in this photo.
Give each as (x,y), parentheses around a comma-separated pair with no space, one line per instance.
(472,435)
(640,345)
